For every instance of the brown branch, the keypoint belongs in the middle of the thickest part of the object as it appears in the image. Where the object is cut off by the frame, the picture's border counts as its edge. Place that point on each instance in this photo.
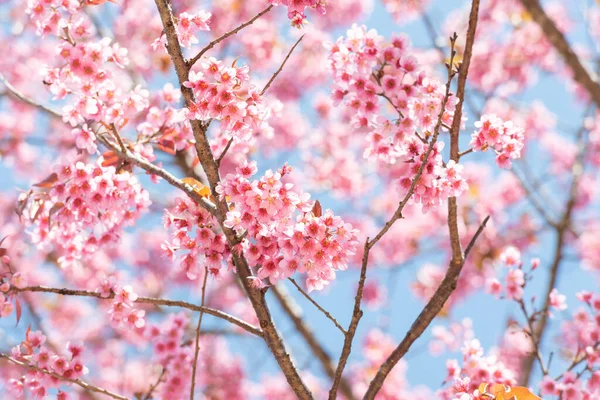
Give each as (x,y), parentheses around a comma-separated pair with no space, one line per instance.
(281,66)
(294,312)
(562,229)
(224,152)
(78,382)
(357,314)
(20,96)
(218,40)
(580,74)
(145,300)
(325,312)
(209,164)
(448,284)
(197,348)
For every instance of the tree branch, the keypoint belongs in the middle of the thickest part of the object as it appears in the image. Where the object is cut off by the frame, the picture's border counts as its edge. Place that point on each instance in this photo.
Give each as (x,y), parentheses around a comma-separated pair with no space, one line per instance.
(580,74)
(146,300)
(448,284)
(207,160)
(78,382)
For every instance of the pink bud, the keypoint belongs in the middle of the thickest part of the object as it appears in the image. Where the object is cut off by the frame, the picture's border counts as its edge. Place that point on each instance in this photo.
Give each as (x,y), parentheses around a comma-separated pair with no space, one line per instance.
(535,262)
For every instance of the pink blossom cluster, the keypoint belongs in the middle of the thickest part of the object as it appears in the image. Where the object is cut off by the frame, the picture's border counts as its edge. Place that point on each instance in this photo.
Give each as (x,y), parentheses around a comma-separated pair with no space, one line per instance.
(194,231)
(86,75)
(580,336)
(296,9)
(588,245)
(516,277)
(503,137)
(279,243)
(475,369)
(122,311)
(187,25)
(58,16)
(176,359)
(572,387)
(83,207)
(219,374)
(365,70)
(451,338)
(33,352)
(593,148)
(224,92)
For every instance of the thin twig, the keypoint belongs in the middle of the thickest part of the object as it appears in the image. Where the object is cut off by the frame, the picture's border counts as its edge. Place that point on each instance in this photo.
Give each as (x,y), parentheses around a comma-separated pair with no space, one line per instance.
(197,348)
(325,312)
(476,236)
(218,40)
(224,152)
(281,66)
(78,382)
(153,387)
(145,300)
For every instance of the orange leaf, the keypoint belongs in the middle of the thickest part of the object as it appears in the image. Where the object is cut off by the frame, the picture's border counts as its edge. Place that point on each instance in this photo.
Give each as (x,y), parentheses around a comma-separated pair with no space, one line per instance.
(110,158)
(505,392)
(317,210)
(19,310)
(198,187)
(48,182)
(168,146)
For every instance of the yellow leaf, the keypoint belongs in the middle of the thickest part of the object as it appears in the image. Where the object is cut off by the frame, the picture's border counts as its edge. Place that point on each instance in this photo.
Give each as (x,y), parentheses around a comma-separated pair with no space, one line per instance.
(198,187)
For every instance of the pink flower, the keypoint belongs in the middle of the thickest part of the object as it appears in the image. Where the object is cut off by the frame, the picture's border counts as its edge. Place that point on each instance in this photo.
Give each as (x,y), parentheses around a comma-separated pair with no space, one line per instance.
(557,300)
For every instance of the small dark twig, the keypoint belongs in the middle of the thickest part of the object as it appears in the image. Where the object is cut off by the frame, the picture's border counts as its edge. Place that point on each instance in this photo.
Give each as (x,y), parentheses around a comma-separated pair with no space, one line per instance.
(327,314)
(218,40)
(197,348)
(281,66)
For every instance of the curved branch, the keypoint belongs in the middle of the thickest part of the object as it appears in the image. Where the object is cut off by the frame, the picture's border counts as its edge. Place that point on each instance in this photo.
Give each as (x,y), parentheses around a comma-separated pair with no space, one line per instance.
(146,300)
